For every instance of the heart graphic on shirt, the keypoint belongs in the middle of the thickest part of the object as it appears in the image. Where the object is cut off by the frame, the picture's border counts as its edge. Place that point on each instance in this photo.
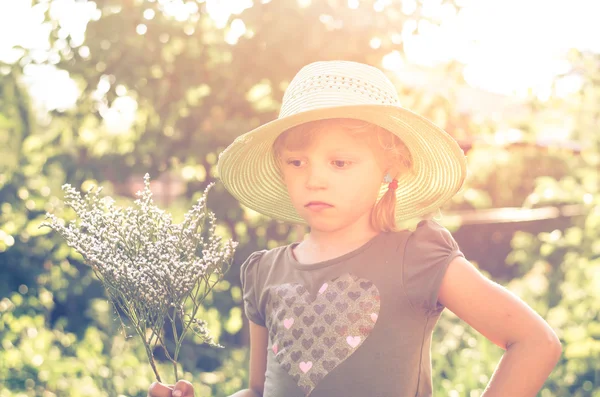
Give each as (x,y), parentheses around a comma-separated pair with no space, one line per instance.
(313,334)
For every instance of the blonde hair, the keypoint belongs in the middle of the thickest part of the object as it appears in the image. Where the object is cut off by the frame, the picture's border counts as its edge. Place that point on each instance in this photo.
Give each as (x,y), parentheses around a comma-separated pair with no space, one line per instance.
(396,154)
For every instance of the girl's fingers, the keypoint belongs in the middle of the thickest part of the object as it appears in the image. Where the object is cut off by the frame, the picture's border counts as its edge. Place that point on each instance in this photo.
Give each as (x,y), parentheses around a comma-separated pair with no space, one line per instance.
(185,387)
(158,389)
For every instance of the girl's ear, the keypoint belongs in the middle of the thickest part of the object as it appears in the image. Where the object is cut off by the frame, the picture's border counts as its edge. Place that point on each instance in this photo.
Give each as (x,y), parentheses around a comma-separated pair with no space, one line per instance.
(393,170)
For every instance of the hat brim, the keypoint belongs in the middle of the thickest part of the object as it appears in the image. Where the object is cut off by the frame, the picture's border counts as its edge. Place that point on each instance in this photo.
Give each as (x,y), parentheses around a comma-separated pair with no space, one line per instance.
(249,171)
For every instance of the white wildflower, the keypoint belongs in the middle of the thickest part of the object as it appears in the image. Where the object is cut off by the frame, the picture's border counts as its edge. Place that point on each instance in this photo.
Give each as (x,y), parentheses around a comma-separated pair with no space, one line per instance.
(151,268)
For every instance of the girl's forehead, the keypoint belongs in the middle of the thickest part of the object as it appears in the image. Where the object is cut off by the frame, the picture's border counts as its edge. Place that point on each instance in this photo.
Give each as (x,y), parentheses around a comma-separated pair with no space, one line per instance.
(334,138)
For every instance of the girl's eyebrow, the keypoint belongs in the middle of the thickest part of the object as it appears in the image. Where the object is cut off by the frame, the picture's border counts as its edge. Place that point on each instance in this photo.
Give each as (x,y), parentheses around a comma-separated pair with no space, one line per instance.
(288,152)
(343,151)
(332,152)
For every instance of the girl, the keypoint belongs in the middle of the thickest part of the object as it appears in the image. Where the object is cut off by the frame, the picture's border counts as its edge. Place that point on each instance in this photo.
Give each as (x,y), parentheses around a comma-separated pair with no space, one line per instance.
(350,310)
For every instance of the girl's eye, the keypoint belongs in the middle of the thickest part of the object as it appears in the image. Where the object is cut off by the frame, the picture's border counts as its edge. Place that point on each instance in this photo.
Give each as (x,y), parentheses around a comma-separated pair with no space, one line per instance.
(341,163)
(295,163)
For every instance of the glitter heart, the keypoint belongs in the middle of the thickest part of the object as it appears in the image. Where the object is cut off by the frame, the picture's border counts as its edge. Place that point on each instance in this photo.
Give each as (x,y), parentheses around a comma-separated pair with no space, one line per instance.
(353,340)
(323,329)
(288,322)
(323,288)
(306,366)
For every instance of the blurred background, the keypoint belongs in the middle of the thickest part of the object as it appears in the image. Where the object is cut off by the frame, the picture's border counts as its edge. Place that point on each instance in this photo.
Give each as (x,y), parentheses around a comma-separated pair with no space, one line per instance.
(101,92)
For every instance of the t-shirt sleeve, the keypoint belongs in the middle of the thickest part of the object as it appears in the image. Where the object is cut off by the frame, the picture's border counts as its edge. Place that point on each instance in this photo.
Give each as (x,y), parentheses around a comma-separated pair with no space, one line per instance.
(249,277)
(429,250)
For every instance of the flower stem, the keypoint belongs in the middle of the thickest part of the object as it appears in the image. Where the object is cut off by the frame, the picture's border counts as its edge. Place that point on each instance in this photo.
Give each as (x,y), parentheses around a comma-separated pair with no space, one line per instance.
(152,364)
(177,344)
(175,369)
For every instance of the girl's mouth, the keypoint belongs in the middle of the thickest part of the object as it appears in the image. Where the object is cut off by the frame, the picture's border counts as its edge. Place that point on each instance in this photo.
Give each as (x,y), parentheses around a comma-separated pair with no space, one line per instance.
(317,205)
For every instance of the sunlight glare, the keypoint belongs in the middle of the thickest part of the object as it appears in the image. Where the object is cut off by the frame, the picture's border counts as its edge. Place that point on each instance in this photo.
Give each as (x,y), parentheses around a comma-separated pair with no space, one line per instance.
(393,61)
(375,43)
(149,14)
(50,88)
(507,47)
(121,90)
(516,59)
(236,30)
(120,117)
(102,88)
(568,85)
(221,10)
(178,9)
(510,135)
(84,52)
(548,193)
(379,5)
(141,29)
(409,6)
(431,8)
(73,16)
(21,24)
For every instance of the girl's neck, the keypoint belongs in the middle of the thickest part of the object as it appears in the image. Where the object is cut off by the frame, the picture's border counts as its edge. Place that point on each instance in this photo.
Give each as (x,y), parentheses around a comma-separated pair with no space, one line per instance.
(339,239)
(323,245)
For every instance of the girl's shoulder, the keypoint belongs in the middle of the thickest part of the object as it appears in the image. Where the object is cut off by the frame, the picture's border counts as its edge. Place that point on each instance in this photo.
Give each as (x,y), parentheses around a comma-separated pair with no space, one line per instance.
(264,257)
(253,273)
(425,234)
(429,232)
(429,250)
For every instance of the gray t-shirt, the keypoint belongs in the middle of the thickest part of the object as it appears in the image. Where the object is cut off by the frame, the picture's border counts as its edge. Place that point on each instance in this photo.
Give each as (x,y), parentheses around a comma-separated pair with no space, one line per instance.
(356,325)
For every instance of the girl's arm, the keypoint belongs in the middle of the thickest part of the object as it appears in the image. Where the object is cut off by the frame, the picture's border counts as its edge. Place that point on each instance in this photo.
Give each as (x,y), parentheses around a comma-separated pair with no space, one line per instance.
(532,347)
(258,361)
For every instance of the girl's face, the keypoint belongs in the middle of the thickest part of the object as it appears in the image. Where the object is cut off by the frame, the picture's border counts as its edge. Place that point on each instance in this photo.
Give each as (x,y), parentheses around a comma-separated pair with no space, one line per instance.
(333,182)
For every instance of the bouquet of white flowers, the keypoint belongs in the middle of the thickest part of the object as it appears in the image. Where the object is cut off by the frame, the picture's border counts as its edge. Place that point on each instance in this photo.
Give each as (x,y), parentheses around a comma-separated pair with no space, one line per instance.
(152,269)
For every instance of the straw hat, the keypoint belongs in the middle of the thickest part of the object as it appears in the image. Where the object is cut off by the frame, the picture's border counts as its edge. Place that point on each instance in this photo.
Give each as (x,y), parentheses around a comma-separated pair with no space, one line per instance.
(344,89)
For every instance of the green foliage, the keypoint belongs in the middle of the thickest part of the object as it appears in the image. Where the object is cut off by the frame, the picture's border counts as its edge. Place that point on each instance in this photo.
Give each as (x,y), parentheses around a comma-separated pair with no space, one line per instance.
(462,359)
(506,176)
(561,279)
(38,359)
(195,92)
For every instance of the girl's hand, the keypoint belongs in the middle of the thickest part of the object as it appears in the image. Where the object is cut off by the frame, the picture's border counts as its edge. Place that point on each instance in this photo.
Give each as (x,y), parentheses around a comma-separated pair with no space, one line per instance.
(182,388)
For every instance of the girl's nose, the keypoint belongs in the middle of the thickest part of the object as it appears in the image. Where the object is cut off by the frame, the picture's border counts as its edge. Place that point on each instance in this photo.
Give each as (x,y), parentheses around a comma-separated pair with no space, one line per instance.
(315,178)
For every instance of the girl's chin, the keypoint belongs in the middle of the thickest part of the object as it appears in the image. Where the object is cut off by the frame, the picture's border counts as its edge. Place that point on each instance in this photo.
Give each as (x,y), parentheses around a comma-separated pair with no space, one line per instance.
(324,225)
(320,222)
(327,221)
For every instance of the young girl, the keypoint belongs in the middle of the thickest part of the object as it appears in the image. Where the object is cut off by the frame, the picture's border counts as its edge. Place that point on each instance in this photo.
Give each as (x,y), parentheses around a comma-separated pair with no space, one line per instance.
(350,310)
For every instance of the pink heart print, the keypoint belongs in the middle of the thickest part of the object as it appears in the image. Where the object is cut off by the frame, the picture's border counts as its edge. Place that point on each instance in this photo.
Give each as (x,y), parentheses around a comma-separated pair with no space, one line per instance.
(313,334)
(288,322)
(353,340)
(305,367)
(323,288)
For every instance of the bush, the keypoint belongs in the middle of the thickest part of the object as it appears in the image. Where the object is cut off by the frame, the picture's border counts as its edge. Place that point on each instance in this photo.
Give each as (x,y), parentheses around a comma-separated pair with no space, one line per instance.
(41,361)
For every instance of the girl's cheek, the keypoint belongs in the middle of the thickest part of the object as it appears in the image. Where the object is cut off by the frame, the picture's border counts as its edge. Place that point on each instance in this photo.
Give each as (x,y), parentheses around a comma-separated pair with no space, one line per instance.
(291,180)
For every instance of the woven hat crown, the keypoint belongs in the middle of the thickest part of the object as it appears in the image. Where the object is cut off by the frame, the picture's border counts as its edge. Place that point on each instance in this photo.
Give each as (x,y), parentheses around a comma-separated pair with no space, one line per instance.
(341,83)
